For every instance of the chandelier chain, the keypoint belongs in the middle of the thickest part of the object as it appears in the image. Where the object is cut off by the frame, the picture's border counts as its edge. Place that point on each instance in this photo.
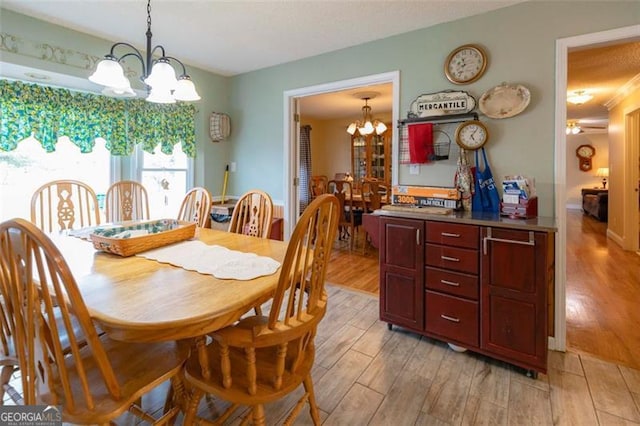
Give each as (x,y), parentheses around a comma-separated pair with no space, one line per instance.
(149,15)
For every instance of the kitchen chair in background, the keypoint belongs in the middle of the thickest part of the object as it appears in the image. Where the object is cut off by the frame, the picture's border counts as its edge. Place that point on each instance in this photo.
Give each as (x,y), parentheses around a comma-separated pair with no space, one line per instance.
(93,382)
(126,200)
(252,214)
(64,204)
(261,359)
(196,207)
(351,218)
(372,193)
(318,185)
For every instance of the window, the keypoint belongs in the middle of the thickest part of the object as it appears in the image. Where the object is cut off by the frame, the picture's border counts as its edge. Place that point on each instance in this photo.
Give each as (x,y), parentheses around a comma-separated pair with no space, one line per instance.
(167,179)
(29,166)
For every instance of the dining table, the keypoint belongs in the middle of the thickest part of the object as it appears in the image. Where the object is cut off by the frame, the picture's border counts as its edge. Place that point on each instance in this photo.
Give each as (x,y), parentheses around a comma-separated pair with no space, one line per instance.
(141,300)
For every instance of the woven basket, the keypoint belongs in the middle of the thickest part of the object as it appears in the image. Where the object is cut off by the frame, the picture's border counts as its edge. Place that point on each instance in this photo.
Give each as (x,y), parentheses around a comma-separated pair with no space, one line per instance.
(161,233)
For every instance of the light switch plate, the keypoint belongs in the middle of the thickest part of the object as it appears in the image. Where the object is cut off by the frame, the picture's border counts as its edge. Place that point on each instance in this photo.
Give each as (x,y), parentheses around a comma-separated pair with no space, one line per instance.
(414,169)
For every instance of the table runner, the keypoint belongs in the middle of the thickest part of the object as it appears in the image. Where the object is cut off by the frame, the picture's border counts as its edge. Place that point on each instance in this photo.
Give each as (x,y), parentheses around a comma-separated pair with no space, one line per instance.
(214,260)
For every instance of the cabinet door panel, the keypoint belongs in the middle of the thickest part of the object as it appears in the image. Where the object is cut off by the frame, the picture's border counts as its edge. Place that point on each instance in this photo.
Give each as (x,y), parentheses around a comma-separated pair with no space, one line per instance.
(458,259)
(400,304)
(402,246)
(402,272)
(513,326)
(511,264)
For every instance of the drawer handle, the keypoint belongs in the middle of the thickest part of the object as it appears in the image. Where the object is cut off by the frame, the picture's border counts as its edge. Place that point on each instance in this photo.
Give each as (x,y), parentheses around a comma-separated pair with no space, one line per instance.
(451,259)
(448,234)
(451,283)
(448,318)
(531,242)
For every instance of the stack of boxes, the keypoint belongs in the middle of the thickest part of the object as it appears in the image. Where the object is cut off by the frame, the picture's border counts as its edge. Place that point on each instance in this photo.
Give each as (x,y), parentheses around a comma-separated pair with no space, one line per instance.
(519,198)
(427,196)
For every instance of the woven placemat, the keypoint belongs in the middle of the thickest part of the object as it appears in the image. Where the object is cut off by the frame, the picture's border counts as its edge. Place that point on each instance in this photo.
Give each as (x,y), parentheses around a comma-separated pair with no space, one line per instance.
(429,210)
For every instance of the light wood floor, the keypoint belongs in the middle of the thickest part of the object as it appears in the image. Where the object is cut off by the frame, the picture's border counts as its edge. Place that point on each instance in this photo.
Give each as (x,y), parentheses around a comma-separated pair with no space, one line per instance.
(365,374)
(603,289)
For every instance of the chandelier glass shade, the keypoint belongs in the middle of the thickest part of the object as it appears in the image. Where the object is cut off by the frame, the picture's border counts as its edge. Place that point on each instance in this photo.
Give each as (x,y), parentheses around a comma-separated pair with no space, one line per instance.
(157,74)
(367,125)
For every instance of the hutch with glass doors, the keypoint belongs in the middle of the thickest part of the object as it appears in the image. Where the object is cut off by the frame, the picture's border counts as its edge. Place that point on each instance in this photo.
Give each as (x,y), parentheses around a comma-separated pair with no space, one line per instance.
(371,157)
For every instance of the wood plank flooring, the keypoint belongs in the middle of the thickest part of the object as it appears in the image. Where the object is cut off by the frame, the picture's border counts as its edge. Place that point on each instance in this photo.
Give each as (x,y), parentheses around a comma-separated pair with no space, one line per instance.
(365,374)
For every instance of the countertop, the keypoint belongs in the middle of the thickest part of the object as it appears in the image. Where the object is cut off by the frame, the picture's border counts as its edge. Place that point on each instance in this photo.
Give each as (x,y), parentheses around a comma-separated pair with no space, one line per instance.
(547,224)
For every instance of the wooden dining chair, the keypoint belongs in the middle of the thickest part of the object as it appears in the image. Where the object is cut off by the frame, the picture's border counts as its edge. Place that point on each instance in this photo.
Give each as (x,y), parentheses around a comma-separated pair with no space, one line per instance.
(126,200)
(8,359)
(351,217)
(63,205)
(196,207)
(252,214)
(318,185)
(93,382)
(261,359)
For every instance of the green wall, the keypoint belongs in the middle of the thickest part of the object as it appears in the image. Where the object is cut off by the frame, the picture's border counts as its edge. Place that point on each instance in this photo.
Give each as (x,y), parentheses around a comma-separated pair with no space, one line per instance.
(520,41)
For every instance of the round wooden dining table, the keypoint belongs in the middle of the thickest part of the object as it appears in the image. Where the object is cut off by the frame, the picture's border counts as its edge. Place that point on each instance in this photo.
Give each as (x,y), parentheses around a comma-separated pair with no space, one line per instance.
(140,300)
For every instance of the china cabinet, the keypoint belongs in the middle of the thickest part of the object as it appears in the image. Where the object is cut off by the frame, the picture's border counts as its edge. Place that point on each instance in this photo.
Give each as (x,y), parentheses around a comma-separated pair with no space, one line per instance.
(371,156)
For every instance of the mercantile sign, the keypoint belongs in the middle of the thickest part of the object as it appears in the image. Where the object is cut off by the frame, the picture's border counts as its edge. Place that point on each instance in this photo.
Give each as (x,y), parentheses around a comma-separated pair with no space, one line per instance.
(442,103)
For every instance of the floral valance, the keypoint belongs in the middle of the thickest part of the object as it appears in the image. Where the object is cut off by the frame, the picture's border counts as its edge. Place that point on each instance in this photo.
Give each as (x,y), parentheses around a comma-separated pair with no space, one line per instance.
(49,113)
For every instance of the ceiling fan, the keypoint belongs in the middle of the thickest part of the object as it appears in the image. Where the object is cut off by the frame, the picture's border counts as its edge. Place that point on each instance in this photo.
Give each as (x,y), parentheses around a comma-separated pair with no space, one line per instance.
(575,127)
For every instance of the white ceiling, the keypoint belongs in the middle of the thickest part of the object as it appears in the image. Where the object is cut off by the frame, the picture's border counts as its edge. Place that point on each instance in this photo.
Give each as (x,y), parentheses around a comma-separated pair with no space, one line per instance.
(233,37)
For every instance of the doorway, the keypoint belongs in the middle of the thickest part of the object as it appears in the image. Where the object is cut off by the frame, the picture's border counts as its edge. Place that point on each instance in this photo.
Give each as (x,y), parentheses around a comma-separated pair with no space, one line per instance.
(562,49)
(291,113)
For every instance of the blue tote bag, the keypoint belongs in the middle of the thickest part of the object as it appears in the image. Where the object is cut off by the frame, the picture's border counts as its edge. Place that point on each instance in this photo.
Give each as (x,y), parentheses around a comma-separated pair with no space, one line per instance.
(485,197)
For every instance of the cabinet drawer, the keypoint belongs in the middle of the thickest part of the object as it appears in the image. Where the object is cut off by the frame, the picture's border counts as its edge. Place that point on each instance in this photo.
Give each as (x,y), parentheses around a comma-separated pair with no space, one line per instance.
(453,234)
(454,283)
(457,259)
(452,317)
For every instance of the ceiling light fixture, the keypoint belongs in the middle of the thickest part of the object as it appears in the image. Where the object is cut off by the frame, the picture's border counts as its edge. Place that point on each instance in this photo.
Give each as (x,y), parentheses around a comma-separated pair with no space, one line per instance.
(578,97)
(573,128)
(367,125)
(157,74)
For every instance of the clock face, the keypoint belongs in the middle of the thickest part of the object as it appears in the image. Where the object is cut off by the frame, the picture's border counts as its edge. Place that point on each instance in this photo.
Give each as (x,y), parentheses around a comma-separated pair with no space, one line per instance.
(585,151)
(472,135)
(465,64)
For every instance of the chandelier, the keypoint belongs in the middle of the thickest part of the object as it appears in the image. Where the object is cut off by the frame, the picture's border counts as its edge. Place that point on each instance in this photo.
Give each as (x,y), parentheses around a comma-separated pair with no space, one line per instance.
(579,97)
(367,125)
(157,74)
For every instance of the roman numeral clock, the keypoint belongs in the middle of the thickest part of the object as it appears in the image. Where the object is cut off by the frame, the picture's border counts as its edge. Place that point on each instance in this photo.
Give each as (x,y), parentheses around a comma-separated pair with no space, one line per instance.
(465,64)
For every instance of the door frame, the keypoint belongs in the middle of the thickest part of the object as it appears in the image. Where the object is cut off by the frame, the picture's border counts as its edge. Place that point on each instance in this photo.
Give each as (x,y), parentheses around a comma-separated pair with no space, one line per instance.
(290,138)
(559,341)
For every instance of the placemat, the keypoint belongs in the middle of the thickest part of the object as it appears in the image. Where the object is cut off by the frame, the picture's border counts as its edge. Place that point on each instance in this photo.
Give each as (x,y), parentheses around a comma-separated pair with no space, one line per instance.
(214,260)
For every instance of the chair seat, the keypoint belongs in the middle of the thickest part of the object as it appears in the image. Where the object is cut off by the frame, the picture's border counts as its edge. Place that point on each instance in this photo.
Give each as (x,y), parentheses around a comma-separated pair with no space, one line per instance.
(139,367)
(237,393)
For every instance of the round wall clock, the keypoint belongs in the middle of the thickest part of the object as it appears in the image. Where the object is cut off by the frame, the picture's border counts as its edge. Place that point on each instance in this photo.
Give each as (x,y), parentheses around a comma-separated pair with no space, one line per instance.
(465,64)
(472,135)
(585,153)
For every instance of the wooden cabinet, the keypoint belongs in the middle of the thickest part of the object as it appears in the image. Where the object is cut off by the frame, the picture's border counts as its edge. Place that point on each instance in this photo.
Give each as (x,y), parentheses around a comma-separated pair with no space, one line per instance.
(483,288)
(371,156)
(515,273)
(401,272)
